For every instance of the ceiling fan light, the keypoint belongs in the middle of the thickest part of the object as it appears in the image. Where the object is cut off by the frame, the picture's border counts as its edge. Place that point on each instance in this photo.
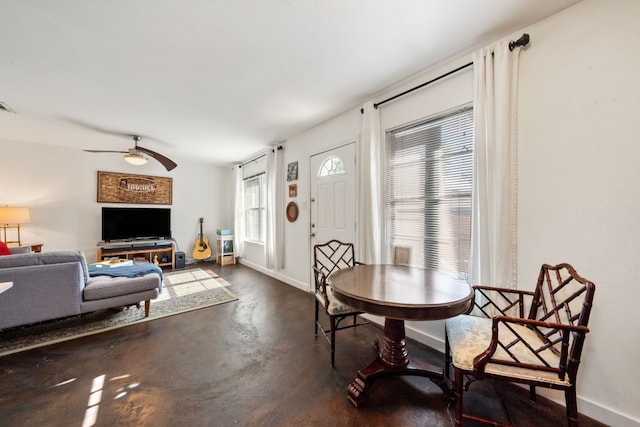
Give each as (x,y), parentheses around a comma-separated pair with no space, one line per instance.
(135,159)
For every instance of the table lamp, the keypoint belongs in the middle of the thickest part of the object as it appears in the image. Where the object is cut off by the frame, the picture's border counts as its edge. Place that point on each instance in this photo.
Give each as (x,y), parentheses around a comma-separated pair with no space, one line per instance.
(12,217)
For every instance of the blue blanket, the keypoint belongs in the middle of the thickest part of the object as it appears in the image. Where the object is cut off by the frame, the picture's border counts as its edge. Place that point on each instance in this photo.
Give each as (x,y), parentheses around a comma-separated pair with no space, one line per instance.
(136,270)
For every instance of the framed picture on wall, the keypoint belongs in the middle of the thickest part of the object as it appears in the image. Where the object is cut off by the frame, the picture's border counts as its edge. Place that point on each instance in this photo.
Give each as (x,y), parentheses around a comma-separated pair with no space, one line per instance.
(292,171)
(115,187)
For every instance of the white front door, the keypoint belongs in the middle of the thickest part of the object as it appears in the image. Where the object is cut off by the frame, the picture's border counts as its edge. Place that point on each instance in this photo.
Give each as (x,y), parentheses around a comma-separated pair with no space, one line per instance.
(333,195)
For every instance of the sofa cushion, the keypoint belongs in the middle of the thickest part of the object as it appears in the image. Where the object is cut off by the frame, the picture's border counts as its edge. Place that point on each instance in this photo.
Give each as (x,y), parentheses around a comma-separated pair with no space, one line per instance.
(4,249)
(101,287)
(44,258)
(336,307)
(65,256)
(20,250)
(18,260)
(469,336)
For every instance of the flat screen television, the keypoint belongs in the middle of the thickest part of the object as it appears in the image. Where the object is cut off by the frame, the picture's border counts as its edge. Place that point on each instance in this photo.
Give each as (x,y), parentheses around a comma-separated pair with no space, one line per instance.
(135,223)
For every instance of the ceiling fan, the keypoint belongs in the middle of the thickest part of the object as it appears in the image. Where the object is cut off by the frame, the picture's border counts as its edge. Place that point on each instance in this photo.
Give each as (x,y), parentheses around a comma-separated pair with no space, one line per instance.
(135,154)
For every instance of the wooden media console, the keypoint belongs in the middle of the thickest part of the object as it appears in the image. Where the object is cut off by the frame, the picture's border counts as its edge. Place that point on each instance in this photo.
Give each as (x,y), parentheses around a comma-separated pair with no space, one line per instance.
(143,251)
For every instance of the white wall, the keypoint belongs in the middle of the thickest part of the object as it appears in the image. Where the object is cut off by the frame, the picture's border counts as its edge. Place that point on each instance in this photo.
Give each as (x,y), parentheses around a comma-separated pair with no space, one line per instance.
(297,264)
(578,180)
(578,183)
(59,186)
(339,131)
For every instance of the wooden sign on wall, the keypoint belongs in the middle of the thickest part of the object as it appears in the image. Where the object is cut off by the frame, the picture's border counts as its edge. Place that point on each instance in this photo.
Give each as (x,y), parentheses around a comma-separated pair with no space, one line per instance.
(131,188)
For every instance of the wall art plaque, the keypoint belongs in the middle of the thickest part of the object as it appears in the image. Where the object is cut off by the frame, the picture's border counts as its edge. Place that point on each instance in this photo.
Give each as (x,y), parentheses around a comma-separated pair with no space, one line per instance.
(116,187)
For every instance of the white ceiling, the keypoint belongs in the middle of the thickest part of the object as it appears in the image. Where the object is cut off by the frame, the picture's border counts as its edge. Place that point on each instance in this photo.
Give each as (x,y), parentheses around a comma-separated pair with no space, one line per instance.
(218,80)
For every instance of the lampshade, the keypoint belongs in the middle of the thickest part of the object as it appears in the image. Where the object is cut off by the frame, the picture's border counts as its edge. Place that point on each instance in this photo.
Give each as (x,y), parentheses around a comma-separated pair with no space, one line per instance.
(13,215)
(135,159)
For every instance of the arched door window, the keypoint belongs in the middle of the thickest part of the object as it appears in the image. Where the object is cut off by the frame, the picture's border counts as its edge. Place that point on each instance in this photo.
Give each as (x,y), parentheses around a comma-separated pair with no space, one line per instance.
(332,166)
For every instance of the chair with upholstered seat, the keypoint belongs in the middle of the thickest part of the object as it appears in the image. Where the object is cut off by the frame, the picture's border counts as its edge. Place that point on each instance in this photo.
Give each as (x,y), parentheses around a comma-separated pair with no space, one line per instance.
(327,258)
(529,337)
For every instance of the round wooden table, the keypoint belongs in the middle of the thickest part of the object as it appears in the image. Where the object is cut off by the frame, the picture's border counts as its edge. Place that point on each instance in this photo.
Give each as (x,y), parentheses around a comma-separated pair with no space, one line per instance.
(399,293)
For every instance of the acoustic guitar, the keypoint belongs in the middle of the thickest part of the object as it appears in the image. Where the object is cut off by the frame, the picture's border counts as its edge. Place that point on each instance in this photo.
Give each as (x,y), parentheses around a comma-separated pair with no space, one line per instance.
(202,250)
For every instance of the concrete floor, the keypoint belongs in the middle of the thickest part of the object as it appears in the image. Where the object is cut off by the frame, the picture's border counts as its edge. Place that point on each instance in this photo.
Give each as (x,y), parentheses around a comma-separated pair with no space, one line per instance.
(251,362)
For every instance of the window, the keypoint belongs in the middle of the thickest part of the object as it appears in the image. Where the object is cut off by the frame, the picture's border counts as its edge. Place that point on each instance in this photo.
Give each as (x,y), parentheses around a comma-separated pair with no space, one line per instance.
(255,213)
(332,166)
(429,179)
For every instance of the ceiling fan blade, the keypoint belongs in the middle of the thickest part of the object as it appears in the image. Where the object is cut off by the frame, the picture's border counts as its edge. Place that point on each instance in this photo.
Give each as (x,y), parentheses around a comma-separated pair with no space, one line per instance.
(105,151)
(112,132)
(97,128)
(165,161)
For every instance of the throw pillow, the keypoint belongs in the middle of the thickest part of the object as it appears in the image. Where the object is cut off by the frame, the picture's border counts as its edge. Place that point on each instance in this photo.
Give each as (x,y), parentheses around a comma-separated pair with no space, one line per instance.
(4,249)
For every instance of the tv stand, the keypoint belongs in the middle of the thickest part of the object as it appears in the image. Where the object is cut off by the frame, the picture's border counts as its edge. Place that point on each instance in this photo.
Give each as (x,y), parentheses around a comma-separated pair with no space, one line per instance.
(140,251)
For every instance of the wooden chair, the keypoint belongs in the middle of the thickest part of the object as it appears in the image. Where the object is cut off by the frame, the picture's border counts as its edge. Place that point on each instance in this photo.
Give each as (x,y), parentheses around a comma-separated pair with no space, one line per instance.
(533,338)
(327,258)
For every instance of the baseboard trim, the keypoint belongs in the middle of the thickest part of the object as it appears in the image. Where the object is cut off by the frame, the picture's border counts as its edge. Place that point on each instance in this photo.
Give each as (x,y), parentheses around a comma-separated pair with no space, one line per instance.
(275,275)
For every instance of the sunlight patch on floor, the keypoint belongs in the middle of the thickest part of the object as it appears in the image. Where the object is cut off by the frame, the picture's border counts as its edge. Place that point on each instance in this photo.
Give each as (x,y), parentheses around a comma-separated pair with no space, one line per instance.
(70,380)
(95,397)
(190,282)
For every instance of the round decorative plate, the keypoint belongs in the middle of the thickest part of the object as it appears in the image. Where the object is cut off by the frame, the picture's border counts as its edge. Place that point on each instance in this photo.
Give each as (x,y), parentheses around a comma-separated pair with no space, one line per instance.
(292,211)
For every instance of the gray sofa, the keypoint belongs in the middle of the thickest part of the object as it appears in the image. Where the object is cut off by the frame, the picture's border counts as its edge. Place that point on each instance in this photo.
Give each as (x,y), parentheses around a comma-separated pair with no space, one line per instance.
(57,284)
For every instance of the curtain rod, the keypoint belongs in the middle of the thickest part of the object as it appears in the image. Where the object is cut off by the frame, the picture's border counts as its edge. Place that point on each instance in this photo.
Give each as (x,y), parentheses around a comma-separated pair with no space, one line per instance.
(522,41)
(279,147)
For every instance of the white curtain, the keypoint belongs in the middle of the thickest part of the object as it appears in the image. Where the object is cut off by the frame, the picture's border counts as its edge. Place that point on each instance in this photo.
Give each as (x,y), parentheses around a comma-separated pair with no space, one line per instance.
(238,221)
(371,187)
(275,210)
(494,205)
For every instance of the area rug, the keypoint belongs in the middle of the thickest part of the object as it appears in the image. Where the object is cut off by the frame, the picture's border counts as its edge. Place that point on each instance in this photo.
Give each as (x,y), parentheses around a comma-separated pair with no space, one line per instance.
(182,291)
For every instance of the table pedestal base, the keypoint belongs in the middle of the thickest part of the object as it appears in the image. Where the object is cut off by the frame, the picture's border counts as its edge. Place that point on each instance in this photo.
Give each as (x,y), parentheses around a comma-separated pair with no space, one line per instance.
(393,359)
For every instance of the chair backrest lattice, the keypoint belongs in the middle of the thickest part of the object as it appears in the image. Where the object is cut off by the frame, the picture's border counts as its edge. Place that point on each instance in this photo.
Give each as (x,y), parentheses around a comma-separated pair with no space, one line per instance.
(561,296)
(558,312)
(503,302)
(333,255)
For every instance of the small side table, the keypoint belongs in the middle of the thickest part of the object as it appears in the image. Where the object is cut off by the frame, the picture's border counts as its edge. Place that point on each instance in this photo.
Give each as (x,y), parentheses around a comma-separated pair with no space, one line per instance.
(5,286)
(225,250)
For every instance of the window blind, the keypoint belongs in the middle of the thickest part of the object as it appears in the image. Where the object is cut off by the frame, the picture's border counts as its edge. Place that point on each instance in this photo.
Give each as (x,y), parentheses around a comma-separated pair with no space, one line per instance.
(429,179)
